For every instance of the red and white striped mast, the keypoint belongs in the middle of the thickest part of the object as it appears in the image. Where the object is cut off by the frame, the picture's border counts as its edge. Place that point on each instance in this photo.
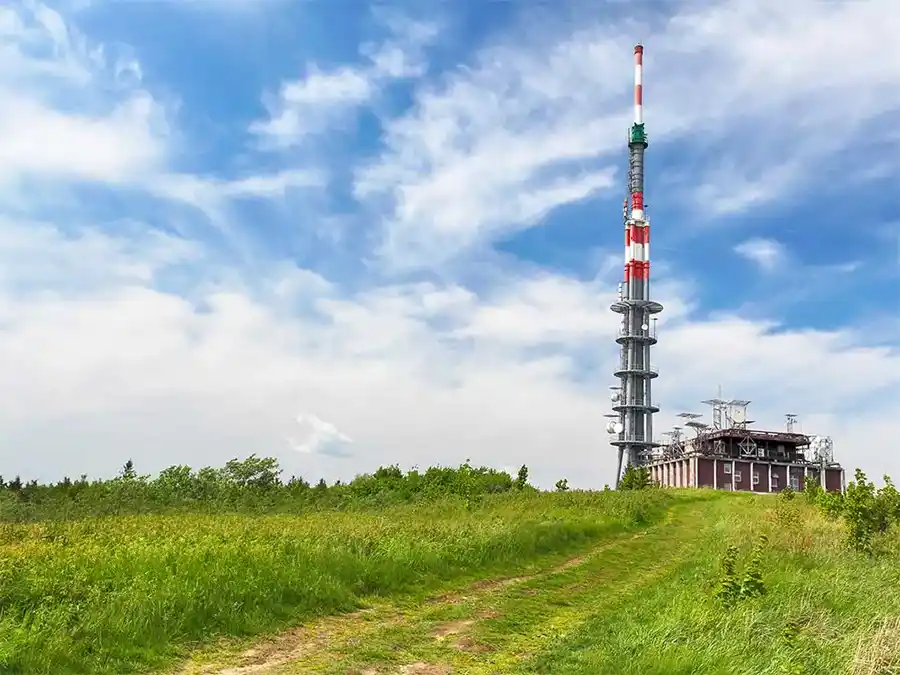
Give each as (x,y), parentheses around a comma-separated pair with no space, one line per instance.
(637,229)
(632,399)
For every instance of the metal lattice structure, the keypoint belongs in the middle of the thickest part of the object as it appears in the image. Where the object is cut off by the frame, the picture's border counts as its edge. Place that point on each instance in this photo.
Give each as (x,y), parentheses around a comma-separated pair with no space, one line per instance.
(632,399)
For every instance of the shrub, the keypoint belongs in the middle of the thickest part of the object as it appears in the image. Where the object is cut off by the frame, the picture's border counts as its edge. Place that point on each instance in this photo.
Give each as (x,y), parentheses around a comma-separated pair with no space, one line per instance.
(867,512)
(635,478)
(730,590)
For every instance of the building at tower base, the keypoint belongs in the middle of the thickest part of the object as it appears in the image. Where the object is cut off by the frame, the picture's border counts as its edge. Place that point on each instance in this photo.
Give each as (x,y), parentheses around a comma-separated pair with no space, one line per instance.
(730,455)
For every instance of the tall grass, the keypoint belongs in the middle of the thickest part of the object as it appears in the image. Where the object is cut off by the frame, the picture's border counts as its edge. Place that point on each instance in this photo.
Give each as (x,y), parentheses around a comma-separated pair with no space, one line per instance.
(826,608)
(129,593)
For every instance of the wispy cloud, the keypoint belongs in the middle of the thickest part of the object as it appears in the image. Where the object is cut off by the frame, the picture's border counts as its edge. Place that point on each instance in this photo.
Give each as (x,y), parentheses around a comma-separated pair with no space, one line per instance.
(768,254)
(183,355)
(57,121)
(323,98)
(542,120)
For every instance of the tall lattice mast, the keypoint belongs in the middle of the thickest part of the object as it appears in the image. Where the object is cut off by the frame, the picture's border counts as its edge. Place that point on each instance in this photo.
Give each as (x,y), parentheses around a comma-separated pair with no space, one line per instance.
(632,400)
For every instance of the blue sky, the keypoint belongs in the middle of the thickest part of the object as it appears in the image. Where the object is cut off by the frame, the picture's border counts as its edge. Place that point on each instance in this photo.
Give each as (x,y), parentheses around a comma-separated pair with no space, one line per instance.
(348,234)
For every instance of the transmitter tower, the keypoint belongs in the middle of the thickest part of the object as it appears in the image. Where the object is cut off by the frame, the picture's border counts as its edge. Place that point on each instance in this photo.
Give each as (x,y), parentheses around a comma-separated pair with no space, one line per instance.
(632,426)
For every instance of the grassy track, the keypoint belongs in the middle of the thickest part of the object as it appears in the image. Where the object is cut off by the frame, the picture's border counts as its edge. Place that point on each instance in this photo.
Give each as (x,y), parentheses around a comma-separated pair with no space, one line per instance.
(129,594)
(636,603)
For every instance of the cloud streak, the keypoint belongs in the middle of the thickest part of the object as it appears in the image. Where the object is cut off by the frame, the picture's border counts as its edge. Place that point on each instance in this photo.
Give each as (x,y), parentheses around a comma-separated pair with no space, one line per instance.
(522,117)
(323,98)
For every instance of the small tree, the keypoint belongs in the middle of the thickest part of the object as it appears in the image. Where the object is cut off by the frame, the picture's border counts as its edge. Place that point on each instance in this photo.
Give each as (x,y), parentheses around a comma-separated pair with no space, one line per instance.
(860,512)
(635,478)
(521,478)
(128,472)
(562,485)
(259,472)
(812,489)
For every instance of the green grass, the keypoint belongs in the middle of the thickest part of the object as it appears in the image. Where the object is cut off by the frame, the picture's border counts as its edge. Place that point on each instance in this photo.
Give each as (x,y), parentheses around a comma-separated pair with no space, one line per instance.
(639,603)
(132,593)
(553,584)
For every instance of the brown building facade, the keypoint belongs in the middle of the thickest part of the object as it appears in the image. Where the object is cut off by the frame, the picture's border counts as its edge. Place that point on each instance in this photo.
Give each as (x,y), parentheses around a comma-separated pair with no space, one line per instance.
(749,475)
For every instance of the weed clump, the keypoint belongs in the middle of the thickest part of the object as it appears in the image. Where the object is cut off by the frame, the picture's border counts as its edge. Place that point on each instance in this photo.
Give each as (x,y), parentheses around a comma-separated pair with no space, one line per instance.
(729,589)
(790,661)
(732,588)
(752,584)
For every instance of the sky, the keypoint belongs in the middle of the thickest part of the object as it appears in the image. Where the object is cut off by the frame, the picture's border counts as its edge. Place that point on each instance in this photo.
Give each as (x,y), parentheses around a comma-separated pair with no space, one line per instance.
(348,235)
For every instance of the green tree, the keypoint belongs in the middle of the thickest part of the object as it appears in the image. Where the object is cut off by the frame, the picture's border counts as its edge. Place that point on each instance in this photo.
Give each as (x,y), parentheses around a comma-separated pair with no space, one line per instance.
(128,472)
(635,478)
(260,472)
(562,485)
(521,478)
(861,513)
(812,489)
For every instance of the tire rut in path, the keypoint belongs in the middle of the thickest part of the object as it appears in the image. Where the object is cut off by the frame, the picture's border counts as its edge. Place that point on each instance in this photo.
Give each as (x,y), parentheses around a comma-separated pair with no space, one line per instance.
(270,655)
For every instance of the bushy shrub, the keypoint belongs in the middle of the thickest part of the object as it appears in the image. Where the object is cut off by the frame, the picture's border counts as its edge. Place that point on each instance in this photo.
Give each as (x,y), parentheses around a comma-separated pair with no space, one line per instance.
(868,512)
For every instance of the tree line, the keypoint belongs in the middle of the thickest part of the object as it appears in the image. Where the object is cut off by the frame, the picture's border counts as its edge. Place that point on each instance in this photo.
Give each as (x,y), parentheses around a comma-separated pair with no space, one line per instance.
(253,484)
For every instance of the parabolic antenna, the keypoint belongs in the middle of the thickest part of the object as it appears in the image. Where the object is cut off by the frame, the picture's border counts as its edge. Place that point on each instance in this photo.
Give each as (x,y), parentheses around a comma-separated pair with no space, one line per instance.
(822,448)
(614,395)
(614,427)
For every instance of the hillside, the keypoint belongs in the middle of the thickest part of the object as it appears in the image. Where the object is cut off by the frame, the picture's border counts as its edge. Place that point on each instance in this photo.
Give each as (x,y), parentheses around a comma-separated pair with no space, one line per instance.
(484,575)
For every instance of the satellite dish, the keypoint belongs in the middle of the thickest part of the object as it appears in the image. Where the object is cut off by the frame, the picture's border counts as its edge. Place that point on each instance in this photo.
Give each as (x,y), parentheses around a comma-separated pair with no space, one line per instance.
(644,326)
(822,448)
(614,427)
(614,396)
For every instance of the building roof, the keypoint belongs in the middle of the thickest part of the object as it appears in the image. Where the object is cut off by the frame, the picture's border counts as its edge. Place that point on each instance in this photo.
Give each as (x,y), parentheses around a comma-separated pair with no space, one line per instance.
(786,437)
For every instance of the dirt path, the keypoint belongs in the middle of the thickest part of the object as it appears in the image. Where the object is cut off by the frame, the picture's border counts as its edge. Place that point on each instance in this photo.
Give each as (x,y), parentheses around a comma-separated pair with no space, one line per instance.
(488,627)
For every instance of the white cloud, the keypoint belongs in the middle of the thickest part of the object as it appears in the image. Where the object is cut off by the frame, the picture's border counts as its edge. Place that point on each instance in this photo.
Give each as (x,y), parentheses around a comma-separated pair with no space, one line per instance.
(321,98)
(540,112)
(320,437)
(54,122)
(73,113)
(125,342)
(214,196)
(414,373)
(766,253)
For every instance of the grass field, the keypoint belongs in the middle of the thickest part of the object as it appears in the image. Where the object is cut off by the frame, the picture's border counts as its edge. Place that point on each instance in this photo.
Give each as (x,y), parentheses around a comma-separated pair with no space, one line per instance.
(125,594)
(551,584)
(635,603)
